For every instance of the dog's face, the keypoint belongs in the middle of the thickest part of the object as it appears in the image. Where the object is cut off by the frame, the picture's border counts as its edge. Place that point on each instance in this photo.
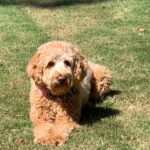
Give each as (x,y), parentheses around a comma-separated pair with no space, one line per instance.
(58,72)
(57,66)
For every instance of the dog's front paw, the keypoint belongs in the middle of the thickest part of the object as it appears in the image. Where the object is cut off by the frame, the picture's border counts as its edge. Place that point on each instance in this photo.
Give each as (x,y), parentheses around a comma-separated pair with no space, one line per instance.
(53,140)
(57,134)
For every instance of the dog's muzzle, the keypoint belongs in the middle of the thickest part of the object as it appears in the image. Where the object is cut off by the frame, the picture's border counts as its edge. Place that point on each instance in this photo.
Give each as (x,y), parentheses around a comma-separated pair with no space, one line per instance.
(61,84)
(62,80)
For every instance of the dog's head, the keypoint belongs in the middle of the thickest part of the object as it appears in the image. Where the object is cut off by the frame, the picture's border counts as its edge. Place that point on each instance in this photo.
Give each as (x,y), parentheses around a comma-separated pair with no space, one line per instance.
(57,66)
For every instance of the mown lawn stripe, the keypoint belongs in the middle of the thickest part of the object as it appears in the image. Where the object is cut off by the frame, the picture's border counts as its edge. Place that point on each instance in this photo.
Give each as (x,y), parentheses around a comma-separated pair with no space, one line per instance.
(20,37)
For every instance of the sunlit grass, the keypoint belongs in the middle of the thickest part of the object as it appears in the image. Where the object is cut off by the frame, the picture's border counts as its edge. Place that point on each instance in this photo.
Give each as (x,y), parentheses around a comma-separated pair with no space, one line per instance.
(106,32)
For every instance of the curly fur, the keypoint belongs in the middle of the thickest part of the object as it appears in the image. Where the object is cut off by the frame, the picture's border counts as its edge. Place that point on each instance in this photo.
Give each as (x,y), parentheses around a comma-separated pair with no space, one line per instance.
(70,81)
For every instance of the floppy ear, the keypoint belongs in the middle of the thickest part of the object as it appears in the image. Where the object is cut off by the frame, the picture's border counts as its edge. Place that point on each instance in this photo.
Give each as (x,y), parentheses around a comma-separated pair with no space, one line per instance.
(80,66)
(34,69)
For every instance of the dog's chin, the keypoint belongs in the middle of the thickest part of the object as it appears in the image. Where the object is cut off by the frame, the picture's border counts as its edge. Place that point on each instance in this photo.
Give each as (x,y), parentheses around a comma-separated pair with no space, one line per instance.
(58,89)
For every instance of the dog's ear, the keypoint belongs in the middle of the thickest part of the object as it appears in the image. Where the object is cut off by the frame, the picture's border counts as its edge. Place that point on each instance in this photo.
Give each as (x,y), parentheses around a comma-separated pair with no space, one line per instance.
(80,66)
(34,69)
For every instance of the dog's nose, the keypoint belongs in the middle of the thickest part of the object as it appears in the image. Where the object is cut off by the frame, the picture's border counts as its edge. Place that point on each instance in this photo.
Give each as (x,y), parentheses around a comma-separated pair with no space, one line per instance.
(61,80)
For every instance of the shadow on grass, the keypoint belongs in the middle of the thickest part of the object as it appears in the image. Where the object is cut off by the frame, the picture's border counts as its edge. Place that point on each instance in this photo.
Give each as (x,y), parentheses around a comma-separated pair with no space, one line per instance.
(49,3)
(93,114)
(112,93)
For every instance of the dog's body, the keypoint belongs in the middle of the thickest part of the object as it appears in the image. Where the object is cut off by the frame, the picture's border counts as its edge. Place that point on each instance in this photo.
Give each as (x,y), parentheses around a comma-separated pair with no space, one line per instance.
(62,82)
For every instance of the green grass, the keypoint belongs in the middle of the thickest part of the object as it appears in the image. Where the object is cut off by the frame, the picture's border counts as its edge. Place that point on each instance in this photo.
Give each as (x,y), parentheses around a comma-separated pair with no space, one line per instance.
(106,31)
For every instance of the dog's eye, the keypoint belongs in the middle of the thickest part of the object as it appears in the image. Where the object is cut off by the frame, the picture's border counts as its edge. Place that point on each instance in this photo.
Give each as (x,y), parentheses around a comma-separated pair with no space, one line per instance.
(50,64)
(67,63)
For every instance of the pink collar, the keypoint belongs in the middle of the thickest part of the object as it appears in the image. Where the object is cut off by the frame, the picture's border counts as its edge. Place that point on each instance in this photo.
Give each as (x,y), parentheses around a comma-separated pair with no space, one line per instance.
(42,91)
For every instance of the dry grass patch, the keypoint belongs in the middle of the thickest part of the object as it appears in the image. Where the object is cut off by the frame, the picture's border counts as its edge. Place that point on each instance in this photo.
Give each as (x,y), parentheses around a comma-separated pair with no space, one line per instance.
(65,24)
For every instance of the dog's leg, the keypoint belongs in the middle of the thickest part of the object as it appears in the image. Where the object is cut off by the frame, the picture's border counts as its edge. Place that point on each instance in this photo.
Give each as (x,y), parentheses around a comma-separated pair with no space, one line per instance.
(62,130)
(56,133)
(42,132)
(101,81)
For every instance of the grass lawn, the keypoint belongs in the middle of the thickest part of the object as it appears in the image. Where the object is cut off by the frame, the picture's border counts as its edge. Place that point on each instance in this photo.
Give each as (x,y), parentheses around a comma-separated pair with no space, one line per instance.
(107,32)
